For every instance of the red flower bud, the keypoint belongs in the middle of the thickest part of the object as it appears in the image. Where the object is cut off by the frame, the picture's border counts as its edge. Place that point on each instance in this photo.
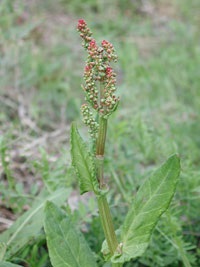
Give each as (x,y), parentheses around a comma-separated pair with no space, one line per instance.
(81,24)
(92,44)
(109,71)
(104,43)
(87,68)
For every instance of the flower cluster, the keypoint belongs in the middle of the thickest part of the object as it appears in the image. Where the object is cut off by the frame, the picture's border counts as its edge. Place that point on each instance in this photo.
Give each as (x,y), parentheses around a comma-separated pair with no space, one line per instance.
(109,49)
(85,32)
(98,73)
(90,87)
(89,120)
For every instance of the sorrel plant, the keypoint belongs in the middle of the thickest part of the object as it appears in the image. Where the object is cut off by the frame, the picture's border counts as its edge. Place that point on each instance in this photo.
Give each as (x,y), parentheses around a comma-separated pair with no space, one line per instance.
(67,247)
(153,197)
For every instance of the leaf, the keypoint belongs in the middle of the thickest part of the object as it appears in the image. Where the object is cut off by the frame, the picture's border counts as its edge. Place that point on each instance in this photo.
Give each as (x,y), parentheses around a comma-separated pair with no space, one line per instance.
(8,264)
(83,162)
(30,223)
(152,200)
(67,247)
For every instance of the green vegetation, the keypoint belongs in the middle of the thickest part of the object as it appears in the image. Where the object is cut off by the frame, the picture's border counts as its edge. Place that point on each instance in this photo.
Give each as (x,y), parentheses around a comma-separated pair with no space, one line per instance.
(41,66)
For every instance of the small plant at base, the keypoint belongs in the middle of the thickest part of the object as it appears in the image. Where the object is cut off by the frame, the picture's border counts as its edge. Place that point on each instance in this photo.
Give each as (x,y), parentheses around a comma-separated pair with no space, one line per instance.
(152,199)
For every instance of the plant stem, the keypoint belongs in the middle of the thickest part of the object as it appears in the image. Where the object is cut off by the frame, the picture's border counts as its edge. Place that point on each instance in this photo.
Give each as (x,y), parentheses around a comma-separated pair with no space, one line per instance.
(101,136)
(100,150)
(104,210)
(107,223)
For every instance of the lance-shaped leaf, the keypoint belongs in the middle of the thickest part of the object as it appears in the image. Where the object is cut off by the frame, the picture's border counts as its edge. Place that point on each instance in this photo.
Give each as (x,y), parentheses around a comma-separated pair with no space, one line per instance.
(83,162)
(151,201)
(67,246)
(30,223)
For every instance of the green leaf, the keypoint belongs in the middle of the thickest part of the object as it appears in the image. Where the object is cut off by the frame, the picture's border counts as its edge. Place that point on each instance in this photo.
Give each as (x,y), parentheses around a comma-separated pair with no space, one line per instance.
(8,264)
(151,201)
(30,223)
(83,163)
(67,247)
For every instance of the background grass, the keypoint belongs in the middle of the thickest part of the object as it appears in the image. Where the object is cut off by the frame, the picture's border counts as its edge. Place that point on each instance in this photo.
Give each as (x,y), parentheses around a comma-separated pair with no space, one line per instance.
(41,66)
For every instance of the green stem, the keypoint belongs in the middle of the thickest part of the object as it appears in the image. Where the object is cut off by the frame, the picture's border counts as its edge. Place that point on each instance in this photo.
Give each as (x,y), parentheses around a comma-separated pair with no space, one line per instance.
(107,224)
(100,150)
(104,210)
(101,136)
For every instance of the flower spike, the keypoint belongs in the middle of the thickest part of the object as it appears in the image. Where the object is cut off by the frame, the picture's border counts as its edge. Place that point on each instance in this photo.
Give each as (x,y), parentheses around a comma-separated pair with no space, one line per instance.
(98,74)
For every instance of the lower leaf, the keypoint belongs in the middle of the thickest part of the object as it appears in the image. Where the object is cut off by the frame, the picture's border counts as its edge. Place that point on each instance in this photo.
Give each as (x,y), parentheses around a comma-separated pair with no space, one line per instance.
(67,246)
(29,224)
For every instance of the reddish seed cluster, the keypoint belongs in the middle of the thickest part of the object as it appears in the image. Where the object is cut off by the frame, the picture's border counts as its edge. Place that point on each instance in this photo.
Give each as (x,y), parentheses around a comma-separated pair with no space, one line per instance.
(87,69)
(110,77)
(85,32)
(98,70)
(109,49)
(81,24)
(92,45)
(93,49)
(109,71)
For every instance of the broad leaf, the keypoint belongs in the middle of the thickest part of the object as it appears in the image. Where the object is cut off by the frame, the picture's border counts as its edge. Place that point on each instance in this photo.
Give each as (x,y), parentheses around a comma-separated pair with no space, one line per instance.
(8,264)
(30,223)
(67,247)
(151,201)
(83,162)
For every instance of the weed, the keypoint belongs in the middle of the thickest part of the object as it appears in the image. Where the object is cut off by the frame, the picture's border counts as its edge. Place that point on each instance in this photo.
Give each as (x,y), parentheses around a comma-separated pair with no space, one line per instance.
(158,49)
